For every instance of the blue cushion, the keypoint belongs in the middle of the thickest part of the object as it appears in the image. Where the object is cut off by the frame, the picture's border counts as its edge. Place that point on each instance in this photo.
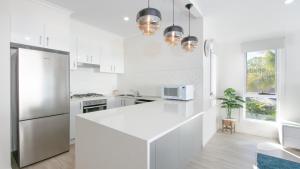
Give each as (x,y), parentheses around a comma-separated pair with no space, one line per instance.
(269,162)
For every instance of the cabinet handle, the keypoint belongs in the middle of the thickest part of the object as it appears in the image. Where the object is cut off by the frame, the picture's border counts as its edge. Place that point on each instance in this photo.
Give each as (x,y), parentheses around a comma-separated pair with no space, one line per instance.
(114,68)
(47,41)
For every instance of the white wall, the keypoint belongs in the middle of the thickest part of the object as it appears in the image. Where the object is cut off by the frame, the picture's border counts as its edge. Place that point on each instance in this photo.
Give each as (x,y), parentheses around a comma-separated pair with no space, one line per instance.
(5,86)
(150,63)
(231,64)
(231,23)
(85,80)
(290,97)
(88,80)
(231,73)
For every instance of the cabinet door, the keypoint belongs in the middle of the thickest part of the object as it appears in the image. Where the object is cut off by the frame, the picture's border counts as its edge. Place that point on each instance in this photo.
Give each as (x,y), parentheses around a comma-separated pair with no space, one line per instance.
(26,23)
(83,51)
(95,52)
(113,103)
(106,59)
(57,37)
(167,151)
(176,149)
(73,53)
(75,109)
(118,59)
(190,139)
(129,101)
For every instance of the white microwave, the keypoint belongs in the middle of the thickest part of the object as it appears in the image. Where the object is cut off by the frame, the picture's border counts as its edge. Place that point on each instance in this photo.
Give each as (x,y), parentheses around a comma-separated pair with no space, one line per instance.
(178,92)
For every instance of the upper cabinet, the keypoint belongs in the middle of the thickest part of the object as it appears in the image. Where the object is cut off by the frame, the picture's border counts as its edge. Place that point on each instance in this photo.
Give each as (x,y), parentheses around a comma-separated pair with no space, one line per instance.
(39,24)
(89,51)
(93,46)
(112,59)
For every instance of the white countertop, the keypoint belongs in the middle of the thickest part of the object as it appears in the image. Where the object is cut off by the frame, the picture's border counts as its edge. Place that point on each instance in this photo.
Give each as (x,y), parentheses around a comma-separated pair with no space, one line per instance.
(109,97)
(147,121)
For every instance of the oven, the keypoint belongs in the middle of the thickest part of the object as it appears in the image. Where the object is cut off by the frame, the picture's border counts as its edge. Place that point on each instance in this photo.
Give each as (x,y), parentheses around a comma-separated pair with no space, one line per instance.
(94,105)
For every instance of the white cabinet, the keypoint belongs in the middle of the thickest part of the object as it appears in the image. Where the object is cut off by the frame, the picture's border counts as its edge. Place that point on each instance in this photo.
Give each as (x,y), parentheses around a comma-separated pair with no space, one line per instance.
(57,37)
(75,109)
(112,58)
(37,24)
(176,149)
(73,53)
(89,51)
(26,26)
(113,102)
(127,101)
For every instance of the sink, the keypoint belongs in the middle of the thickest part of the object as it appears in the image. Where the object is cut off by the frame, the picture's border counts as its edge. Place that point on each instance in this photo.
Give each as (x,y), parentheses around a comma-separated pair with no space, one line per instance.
(140,101)
(130,95)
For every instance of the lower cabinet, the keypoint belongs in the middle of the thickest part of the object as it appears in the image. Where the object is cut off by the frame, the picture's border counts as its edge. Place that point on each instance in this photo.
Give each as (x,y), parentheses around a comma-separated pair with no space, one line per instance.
(115,102)
(176,149)
(128,101)
(75,109)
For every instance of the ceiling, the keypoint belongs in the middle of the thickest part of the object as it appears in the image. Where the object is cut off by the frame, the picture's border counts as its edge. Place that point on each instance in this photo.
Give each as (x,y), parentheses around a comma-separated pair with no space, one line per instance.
(226,19)
(240,20)
(108,14)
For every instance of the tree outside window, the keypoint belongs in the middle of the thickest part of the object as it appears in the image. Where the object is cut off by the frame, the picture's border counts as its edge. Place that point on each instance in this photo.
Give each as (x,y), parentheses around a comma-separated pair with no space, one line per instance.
(261,96)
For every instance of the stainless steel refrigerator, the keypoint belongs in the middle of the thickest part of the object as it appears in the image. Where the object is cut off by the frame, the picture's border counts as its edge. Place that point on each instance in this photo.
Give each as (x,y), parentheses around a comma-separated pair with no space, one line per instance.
(40,103)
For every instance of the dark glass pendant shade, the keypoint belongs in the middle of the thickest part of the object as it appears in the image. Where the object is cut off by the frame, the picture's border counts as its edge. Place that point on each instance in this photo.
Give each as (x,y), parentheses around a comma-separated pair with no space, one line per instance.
(189,43)
(148,20)
(174,33)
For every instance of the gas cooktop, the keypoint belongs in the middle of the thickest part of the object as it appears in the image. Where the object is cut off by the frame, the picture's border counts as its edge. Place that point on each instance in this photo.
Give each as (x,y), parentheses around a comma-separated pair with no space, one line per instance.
(86,95)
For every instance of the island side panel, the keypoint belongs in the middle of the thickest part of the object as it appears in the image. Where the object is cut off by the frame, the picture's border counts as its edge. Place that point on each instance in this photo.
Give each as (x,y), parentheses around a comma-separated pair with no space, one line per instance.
(99,147)
(177,149)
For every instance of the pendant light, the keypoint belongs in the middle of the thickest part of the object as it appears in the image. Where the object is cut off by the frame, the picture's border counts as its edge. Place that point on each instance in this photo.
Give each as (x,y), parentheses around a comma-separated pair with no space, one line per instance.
(174,33)
(189,43)
(148,20)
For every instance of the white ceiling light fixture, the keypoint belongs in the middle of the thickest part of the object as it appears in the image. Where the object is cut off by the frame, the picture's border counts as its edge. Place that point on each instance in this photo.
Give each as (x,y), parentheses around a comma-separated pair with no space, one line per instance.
(126,18)
(288,2)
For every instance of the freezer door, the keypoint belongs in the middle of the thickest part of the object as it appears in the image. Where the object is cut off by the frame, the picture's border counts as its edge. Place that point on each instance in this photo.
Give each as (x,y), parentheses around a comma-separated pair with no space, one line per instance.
(43,84)
(43,138)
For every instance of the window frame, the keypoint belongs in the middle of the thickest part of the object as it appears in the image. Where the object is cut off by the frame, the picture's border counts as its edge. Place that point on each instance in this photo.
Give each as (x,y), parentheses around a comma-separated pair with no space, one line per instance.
(257,95)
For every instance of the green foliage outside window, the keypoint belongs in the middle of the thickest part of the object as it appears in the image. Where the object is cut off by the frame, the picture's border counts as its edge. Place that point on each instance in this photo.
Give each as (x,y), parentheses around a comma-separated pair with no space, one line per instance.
(261,79)
(261,72)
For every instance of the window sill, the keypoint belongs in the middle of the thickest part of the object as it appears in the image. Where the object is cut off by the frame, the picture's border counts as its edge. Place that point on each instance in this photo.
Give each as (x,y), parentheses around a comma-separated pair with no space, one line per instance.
(260,121)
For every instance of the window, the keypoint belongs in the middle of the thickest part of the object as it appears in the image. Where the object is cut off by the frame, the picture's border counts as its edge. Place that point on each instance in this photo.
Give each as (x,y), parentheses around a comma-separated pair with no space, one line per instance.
(261,85)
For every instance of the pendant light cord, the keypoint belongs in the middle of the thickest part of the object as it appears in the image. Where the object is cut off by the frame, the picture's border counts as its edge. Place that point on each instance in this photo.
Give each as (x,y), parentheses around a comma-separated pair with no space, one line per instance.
(148,3)
(173,12)
(189,22)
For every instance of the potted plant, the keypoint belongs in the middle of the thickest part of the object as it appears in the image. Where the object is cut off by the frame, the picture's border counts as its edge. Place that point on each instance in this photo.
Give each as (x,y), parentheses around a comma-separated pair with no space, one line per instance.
(230,101)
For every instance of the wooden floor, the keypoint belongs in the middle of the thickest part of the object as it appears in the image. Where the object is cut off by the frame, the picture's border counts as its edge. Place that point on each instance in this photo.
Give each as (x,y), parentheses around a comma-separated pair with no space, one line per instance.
(63,161)
(224,151)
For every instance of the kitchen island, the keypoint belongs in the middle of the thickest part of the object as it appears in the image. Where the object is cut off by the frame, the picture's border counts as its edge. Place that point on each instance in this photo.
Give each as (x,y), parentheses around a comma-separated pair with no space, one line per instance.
(157,135)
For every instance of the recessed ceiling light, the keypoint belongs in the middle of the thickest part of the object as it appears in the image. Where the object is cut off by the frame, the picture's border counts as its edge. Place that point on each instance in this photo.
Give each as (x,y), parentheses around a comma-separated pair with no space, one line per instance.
(126,18)
(287,2)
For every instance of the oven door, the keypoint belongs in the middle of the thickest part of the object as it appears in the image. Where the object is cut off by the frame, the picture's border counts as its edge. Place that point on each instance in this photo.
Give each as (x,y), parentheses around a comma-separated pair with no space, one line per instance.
(93,108)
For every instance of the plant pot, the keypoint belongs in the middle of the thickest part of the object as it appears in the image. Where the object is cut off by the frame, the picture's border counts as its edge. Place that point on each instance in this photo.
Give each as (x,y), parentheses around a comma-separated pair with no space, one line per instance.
(228,124)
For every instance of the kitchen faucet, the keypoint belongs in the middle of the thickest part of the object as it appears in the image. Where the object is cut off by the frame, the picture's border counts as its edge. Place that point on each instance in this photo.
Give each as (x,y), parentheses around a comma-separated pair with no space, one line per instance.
(136,92)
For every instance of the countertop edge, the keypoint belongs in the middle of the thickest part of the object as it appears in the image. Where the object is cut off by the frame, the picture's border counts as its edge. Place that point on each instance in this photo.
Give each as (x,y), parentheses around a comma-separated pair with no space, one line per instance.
(150,140)
(174,128)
